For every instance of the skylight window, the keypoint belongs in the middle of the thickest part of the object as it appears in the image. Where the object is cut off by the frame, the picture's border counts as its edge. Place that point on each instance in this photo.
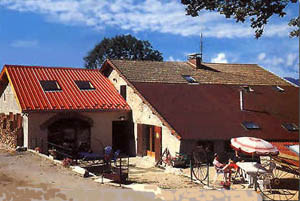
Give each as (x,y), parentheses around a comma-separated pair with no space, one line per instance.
(290,126)
(84,85)
(190,79)
(50,85)
(278,88)
(247,88)
(250,125)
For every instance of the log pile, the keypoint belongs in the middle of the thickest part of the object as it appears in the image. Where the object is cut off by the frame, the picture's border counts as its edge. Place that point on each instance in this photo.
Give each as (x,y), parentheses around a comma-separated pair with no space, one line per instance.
(11,131)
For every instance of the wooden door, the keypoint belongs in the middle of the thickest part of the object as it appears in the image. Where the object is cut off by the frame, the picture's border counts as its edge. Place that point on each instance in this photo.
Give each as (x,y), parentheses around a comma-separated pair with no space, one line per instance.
(141,141)
(158,142)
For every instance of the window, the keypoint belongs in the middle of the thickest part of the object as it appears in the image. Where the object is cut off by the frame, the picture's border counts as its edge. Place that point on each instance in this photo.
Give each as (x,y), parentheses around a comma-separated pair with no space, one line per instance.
(84,85)
(190,79)
(50,85)
(247,88)
(250,125)
(123,91)
(278,88)
(290,126)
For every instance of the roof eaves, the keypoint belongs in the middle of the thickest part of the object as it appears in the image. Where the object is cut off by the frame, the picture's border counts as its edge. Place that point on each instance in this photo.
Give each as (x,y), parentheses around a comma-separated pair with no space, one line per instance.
(173,131)
(76,110)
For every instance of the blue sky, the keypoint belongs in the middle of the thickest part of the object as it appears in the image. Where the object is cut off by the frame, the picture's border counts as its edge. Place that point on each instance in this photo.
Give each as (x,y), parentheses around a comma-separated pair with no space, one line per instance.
(61,32)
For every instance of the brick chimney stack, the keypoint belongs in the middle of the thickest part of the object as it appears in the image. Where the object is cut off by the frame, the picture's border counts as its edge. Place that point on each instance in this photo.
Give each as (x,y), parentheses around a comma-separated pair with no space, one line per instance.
(196,59)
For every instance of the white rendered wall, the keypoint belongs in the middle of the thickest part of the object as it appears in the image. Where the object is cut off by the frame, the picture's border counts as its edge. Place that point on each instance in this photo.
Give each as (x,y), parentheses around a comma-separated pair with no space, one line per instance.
(8,101)
(142,114)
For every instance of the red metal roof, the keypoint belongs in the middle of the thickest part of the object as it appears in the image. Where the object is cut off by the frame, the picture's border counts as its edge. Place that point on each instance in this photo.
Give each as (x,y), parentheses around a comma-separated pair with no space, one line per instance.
(283,148)
(212,111)
(31,96)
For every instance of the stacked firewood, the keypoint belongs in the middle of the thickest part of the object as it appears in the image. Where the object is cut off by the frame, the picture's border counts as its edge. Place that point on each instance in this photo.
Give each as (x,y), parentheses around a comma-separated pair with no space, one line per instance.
(11,132)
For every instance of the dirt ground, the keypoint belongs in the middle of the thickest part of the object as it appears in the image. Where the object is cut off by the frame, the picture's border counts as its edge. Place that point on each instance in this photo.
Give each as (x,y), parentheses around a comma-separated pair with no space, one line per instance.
(49,181)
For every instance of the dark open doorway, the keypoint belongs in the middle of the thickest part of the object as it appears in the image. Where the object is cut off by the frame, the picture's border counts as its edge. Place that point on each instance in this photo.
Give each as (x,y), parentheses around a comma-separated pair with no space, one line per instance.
(123,137)
(71,134)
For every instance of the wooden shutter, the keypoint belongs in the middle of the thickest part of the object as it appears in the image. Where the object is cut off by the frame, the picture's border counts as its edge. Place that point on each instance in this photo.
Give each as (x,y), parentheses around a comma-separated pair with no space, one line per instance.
(123,91)
(158,142)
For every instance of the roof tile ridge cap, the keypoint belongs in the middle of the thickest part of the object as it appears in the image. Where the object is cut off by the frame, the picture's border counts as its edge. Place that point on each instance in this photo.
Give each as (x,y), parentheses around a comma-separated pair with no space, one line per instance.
(145,61)
(48,67)
(278,76)
(231,63)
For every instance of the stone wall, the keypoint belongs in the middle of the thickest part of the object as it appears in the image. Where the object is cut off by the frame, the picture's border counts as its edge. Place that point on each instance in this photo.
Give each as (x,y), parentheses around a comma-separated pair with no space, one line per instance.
(11,132)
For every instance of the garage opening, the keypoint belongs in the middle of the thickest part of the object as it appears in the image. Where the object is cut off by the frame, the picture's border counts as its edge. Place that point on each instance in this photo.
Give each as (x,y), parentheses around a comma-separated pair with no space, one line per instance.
(71,135)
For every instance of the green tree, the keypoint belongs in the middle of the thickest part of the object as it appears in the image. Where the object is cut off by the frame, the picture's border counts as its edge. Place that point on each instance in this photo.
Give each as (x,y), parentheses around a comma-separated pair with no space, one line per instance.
(258,11)
(121,47)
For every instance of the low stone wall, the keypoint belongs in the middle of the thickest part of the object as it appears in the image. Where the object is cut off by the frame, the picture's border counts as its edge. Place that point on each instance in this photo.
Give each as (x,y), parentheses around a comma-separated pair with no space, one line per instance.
(11,131)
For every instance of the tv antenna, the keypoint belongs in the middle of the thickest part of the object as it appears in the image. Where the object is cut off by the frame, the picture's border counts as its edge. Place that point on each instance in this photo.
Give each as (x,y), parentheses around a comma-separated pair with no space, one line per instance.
(201,46)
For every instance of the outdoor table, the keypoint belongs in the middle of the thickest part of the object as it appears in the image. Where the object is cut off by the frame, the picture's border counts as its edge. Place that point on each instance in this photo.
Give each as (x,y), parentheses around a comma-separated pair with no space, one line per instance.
(249,171)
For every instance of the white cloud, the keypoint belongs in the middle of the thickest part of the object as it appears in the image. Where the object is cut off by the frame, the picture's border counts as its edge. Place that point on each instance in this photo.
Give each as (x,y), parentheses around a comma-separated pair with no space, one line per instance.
(24,43)
(291,58)
(284,66)
(171,58)
(261,56)
(149,15)
(220,58)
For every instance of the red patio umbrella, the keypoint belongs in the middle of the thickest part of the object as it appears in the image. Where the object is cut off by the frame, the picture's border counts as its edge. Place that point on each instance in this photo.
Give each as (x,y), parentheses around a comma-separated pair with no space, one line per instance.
(251,145)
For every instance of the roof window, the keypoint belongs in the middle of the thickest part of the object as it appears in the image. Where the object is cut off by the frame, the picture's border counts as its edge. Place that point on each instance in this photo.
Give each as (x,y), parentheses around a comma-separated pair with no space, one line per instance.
(247,88)
(278,88)
(250,125)
(84,85)
(50,85)
(290,126)
(190,79)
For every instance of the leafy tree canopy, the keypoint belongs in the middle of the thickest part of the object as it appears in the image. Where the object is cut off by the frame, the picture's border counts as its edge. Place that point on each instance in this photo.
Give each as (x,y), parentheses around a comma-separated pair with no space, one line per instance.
(121,47)
(258,11)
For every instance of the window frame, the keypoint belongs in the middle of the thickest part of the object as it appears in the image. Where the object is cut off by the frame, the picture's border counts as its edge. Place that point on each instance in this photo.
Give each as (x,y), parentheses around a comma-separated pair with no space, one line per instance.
(246,123)
(287,125)
(188,78)
(77,83)
(46,88)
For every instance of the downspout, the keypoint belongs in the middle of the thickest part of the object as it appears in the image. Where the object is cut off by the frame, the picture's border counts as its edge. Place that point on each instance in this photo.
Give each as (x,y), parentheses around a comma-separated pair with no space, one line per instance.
(241,100)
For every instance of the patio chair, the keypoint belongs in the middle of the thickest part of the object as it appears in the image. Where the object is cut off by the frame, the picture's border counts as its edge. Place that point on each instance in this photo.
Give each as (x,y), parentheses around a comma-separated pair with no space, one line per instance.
(219,170)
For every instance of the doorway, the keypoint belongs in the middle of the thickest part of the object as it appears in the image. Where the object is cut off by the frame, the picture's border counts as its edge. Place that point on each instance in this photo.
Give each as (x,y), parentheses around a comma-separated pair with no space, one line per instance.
(149,141)
(123,137)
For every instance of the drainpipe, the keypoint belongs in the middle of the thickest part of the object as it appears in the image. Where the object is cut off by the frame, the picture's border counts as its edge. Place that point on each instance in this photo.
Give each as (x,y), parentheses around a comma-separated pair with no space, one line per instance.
(241,100)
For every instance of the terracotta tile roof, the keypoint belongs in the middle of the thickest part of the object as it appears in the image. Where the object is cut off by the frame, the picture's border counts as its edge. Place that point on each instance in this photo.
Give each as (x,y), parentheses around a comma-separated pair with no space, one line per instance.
(171,72)
(31,96)
(212,111)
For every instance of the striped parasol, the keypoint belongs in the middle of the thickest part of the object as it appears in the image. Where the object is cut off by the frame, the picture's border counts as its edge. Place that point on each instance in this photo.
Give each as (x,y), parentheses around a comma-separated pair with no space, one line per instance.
(251,145)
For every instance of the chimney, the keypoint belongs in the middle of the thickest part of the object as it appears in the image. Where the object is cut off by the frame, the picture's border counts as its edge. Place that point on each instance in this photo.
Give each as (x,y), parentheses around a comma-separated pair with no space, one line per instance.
(196,59)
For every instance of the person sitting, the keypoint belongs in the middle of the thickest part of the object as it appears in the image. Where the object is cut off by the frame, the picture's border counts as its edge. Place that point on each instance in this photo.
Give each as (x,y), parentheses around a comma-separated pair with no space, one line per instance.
(218,167)
(227,169)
